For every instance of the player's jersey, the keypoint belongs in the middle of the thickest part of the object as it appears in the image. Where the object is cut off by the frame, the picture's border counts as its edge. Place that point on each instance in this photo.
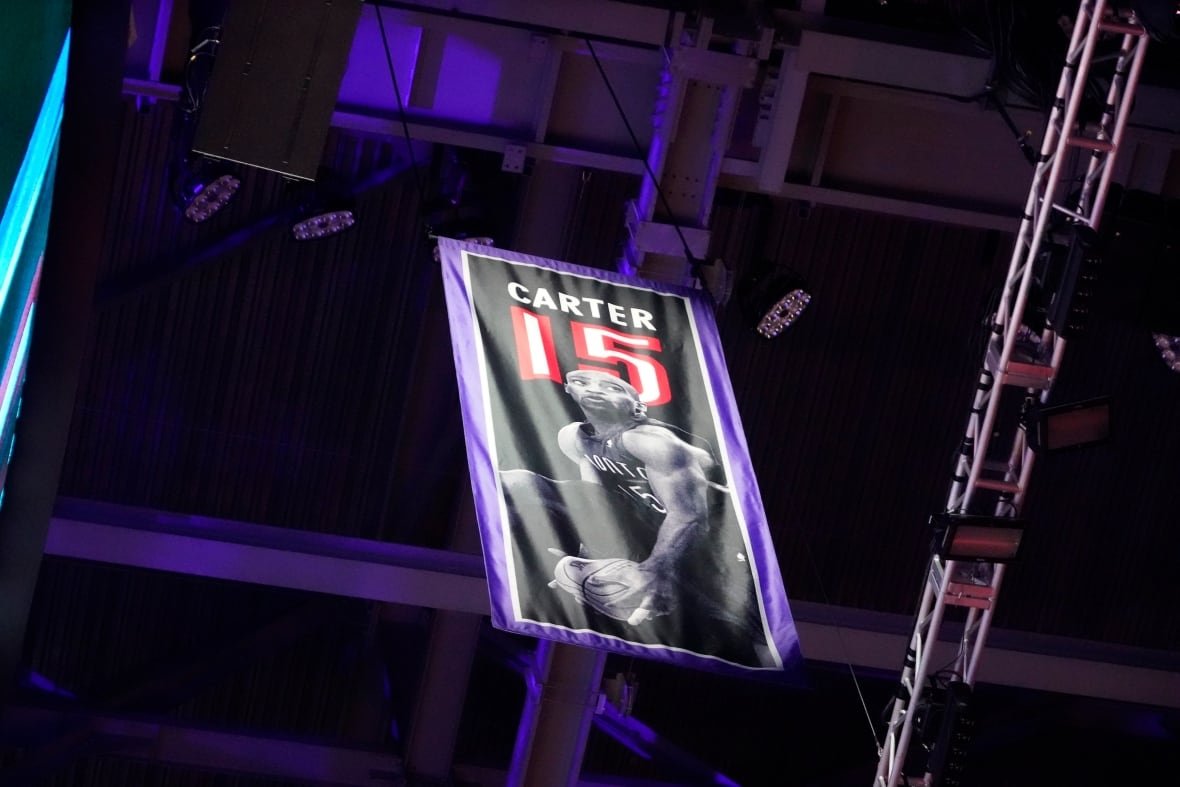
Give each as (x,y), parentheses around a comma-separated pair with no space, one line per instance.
(617,468)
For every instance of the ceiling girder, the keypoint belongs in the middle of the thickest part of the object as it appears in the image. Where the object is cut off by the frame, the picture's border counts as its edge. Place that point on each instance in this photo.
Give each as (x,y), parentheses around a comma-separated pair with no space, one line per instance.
(512,74)
(441,579)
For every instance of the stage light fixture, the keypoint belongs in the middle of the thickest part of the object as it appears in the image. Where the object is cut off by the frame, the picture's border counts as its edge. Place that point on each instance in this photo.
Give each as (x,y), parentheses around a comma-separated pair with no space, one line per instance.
(204,188)
(949,749)
(1068,426)
(322,224)
(1169,347)
(776,303)
(969,537)
(325,208)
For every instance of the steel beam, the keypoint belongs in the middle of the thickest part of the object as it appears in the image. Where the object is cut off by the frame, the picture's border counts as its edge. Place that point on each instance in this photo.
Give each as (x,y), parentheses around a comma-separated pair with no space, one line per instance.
(535,87)
(265,555)
(440,579)
(693,121)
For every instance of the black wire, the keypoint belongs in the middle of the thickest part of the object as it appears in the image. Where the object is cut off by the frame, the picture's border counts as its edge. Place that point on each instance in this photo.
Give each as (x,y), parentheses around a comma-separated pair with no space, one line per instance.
(694,263)
(1030,155)
(401,111)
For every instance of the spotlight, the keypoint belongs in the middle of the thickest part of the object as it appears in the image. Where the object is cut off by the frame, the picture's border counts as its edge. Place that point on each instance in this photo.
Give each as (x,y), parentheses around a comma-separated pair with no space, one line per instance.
(967,537)
(204,188)
(325,208)
(323,224)
(1169,347)
(1068,426)
(774,304)
(784,312)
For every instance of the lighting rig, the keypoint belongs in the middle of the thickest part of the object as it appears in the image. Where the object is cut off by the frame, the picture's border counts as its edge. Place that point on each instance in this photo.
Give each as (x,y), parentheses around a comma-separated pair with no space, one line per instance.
(966,567)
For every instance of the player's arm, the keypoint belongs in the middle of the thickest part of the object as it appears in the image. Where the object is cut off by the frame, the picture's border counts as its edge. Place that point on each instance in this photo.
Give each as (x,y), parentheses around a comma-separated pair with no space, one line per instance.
(676,474)
(567,440)
(678,479)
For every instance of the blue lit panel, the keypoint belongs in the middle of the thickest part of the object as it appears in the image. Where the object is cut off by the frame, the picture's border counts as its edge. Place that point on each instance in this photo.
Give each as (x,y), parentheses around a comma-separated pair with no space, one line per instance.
(23,230)
(35,175)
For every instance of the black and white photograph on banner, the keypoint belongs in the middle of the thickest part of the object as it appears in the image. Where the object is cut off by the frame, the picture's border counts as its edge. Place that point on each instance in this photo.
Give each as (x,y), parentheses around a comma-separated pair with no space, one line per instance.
(616,504)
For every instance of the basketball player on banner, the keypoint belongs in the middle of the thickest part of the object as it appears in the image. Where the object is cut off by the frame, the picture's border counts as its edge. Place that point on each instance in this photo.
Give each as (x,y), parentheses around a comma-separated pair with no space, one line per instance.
(662,561)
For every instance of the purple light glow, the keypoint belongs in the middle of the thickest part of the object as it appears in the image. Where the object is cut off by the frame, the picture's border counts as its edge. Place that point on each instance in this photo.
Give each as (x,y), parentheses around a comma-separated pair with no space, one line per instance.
(648,744)
(361,85)
(42,683)
(471,74)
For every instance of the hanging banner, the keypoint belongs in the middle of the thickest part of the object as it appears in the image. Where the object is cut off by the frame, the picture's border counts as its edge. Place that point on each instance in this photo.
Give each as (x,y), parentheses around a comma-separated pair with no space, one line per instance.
(613,487)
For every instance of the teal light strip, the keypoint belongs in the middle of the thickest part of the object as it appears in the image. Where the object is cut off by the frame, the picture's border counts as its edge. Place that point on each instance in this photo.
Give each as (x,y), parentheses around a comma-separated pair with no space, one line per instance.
(34,170)
(17,368)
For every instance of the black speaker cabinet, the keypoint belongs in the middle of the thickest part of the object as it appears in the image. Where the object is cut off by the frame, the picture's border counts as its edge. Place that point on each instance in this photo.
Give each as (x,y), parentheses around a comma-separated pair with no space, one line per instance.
(274,83)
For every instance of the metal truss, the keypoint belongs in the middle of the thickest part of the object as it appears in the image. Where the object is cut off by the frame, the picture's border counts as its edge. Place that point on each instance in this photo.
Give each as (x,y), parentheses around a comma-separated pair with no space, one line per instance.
(1069,186)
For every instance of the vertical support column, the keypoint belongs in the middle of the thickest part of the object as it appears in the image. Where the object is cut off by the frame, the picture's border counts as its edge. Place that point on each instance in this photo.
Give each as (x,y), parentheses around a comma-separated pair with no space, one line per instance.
(699,95)
(549,201)
(563,684)
(163,24)
(559,709)
(442,694)
(442,691)
(782,125)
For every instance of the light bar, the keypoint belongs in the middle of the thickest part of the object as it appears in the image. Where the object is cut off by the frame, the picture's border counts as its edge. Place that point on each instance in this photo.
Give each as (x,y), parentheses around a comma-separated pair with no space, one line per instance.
(1169,347)
(783,312)
(208,198)
(323,225)
(771,303)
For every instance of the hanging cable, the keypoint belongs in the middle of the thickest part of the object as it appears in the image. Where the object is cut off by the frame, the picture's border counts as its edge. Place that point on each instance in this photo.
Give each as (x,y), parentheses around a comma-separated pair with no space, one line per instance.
(693,263)
(401,110)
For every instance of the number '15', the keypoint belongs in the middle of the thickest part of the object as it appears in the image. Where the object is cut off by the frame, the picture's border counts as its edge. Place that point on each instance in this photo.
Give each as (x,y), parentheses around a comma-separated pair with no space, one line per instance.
(537,357)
